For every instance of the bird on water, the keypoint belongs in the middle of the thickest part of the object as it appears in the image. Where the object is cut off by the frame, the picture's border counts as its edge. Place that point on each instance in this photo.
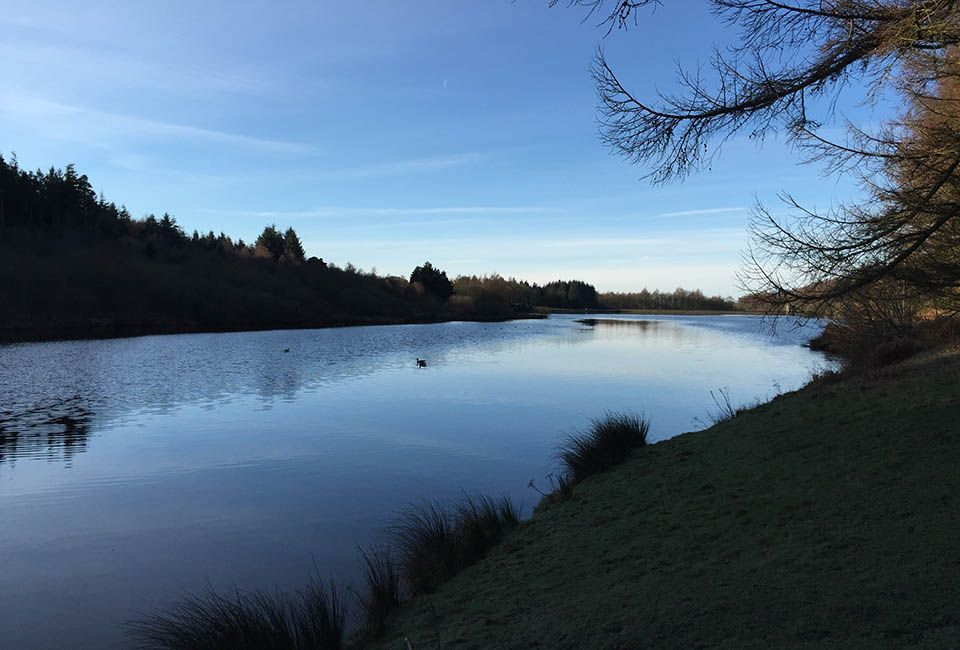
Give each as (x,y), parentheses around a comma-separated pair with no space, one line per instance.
(421,363)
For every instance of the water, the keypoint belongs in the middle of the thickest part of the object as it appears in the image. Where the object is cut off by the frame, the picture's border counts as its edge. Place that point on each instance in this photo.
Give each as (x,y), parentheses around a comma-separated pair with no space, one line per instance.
(135,470)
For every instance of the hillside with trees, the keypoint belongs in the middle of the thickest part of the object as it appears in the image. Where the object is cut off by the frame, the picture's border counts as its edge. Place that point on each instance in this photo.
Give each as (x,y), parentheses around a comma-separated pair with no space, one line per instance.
(73,264)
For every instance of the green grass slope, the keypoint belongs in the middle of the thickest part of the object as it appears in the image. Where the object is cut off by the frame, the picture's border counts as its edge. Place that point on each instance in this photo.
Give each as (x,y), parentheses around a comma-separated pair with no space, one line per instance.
(828,518)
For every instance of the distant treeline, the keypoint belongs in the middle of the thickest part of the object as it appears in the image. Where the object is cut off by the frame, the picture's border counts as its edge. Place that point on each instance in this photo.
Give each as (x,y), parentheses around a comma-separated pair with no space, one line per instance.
(580,295)
(678,299)
(562,294)
(74,264)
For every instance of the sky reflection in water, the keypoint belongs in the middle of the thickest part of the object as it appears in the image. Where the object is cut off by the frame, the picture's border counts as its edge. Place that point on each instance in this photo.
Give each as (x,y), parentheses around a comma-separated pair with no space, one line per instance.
(135,470)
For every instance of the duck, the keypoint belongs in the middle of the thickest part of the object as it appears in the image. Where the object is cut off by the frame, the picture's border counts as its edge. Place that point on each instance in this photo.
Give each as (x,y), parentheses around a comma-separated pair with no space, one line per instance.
(286,349)
(421,363)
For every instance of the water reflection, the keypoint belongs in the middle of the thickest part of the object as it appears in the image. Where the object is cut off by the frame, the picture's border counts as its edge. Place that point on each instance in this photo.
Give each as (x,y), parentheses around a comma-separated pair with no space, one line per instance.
(53,391)
(112,380)
(219,459)
(630,323)
(56,430)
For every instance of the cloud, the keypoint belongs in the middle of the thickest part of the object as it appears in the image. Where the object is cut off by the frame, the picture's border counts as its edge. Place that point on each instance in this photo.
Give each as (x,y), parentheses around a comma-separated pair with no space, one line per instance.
(77,123)
(336,212)
(59,64)
(691,213)
(408,166)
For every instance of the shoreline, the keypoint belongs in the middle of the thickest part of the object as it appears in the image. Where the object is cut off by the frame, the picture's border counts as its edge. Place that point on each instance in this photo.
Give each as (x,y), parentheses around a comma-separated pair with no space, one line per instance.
(659,312)
(13,335)
(805,522)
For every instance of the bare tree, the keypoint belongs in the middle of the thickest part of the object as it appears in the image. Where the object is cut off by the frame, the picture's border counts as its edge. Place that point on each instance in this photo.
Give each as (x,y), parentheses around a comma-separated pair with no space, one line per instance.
(792,58)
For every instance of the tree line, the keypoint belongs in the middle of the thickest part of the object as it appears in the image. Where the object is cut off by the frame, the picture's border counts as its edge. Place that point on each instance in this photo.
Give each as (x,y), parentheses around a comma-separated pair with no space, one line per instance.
(523,295)
(678,299)
(63,201)
(73,262)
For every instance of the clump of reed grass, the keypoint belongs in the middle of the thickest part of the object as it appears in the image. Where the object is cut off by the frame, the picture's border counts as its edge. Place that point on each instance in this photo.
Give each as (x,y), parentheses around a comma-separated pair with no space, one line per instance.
(383,594)
(435,543)
(607,442)
(425,537)
(312,618)
(481,523)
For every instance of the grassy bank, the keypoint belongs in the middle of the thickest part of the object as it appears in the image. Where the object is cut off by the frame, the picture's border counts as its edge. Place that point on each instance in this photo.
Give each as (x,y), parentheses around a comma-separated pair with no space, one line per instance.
(828,518)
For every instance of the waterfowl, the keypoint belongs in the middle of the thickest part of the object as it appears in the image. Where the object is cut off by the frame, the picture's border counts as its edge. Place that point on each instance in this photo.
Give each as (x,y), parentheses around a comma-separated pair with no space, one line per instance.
(421,363)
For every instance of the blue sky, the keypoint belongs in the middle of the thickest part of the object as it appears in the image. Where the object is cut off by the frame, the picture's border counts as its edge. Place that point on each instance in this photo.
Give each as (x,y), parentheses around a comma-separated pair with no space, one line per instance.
(388,133)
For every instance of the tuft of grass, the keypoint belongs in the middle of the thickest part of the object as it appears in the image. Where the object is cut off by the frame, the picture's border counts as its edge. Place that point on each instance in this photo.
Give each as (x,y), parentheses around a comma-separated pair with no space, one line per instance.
(426,538)
(318,615)
(607,442)
(481,523)
(310,619)
(381,572)
(435,543)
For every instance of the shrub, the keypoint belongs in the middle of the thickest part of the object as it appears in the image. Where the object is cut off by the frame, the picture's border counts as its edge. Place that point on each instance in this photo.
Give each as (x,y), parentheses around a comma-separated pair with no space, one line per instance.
(606,443)
(311,619)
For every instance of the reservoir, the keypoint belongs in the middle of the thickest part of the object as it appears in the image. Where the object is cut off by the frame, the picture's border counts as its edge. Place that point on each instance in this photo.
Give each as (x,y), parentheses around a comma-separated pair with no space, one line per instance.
(134,471)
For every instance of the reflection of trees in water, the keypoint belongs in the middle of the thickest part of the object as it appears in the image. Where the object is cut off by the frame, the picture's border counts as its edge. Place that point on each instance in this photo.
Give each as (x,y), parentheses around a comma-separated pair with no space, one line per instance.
(110,379)
(621,322)
(647,327)
(53,431)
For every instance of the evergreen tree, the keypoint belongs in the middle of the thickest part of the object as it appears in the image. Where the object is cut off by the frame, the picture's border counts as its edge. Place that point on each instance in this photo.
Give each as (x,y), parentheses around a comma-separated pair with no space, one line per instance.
(292,247)
(270,243)
(434,281)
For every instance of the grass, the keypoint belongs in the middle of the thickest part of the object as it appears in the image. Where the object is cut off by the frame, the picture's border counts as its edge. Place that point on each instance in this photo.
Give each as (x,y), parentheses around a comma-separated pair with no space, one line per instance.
(383,594)
(482,522)
(310,619)
(560,489)
(826,519)
(724,406)
(607,442)
(434,543)
(426,539)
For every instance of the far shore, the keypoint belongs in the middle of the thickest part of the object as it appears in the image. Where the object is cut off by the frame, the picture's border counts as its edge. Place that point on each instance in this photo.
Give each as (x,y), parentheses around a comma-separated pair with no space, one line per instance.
(659,312)
(108,330)
(111,331)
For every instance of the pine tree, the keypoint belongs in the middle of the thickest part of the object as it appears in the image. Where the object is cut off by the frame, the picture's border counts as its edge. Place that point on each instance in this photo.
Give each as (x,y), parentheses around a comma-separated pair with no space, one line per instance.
(292,247)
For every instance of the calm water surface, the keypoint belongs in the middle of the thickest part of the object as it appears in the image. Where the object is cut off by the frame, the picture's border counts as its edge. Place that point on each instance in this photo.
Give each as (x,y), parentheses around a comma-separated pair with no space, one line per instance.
(135,470)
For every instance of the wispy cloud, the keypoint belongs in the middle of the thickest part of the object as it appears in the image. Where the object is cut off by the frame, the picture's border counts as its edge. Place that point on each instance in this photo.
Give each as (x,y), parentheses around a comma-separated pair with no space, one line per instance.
(713,238)
(335,212)
(65,121)
(60,64)
(692,213)
(408,166)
